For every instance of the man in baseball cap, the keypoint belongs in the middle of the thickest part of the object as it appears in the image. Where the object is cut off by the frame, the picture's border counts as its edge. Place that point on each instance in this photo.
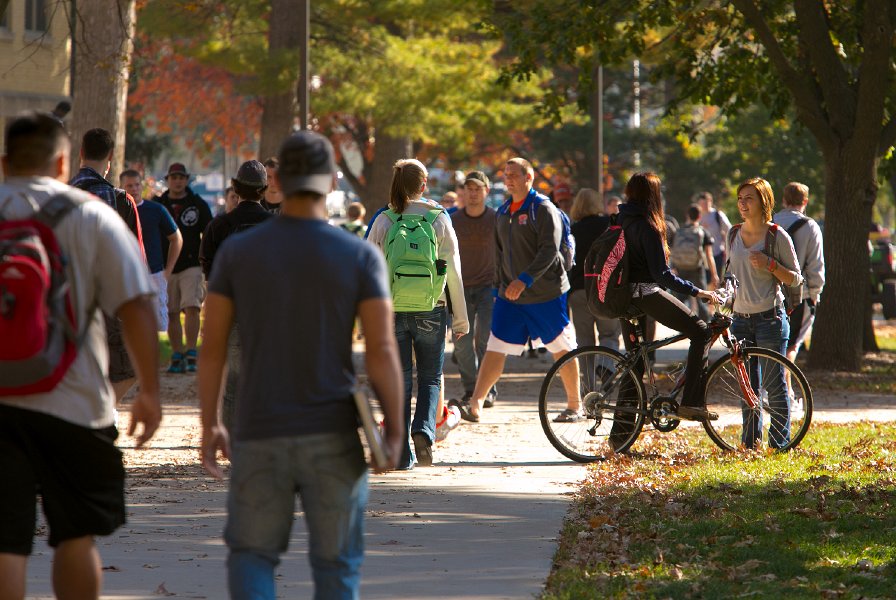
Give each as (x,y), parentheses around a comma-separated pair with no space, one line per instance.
(186,287)
(249,185)
(295,285)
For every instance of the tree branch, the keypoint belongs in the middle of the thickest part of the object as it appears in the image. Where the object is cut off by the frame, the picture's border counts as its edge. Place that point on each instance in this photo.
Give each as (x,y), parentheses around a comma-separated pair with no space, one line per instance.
(808,105)
(839,96)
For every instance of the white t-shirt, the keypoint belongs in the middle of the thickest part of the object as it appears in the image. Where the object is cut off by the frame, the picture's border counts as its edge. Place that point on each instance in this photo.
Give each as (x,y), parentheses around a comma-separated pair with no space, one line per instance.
(105,269)
(717,224)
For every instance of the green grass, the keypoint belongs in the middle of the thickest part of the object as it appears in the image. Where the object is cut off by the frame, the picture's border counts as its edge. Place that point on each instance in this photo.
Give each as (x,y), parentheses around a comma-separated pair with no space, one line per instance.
(678,519)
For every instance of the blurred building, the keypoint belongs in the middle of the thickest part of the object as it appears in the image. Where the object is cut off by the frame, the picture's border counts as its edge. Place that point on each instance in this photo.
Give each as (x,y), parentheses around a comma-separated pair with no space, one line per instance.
(35,57)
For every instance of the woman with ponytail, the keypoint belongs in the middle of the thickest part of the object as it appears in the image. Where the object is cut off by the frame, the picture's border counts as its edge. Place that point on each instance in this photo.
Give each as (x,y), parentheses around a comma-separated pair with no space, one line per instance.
(420,332)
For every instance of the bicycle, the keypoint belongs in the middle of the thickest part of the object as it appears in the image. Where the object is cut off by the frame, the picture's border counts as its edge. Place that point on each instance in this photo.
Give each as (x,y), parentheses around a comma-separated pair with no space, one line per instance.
(757,393)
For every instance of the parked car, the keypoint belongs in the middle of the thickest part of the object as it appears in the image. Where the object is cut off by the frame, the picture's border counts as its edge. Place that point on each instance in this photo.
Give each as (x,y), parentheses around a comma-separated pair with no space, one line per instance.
(883,276)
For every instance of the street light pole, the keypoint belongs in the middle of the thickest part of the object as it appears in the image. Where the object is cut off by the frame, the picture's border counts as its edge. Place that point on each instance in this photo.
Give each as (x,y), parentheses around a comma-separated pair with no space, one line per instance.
(305,28)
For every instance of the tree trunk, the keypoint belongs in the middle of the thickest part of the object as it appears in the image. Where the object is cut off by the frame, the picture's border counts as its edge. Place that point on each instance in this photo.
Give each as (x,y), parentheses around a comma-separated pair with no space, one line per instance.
(850,188)
(279,109)
(104,42)
(378,172)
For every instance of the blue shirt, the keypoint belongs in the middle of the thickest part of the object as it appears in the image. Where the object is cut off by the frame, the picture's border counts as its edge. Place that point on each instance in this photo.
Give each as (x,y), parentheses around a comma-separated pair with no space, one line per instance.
(157,224)
(296,285)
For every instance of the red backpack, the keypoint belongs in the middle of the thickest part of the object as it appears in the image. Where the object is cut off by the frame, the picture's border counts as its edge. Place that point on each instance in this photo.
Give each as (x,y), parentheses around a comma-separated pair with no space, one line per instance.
(37,321)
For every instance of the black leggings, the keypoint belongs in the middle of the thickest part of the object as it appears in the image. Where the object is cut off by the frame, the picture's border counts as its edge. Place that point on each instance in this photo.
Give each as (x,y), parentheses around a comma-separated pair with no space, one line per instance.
(669,311)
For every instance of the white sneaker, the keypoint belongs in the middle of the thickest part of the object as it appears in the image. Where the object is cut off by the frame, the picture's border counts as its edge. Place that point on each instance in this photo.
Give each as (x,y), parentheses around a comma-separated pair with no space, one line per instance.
(450,419)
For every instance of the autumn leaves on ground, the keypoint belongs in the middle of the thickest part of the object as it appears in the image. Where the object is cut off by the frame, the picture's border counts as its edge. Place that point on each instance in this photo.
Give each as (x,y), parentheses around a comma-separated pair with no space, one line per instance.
(677,519)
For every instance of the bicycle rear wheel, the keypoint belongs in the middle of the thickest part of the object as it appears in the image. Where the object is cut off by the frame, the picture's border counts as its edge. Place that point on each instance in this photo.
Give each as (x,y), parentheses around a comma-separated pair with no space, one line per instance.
(611,419)
(783,414)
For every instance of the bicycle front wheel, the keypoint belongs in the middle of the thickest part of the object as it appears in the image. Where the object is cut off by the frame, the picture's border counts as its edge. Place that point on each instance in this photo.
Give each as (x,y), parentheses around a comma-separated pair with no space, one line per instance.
(608,418)
(783,401)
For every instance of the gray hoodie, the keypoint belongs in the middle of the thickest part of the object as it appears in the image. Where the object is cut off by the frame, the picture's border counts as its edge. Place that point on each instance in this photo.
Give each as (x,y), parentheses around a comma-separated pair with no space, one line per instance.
(530,251)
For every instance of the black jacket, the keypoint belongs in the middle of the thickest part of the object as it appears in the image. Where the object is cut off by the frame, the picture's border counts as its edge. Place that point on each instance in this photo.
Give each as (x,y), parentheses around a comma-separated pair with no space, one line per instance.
(585,231)
(245,215)
(646,258)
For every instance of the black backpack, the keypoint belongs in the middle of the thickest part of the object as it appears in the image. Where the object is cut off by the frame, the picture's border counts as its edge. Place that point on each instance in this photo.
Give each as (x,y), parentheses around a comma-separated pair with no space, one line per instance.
(607,292)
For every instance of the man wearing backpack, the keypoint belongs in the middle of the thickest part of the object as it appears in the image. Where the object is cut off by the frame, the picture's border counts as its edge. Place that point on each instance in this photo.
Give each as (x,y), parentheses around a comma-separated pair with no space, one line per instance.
(186,287)
(57,440)
(249,184)
(691,257)
(807,239)
(717,224)
(532,286)
(97,146)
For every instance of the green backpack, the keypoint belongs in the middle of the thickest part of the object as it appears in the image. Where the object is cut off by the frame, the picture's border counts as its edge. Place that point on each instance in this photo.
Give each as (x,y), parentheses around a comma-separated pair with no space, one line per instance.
(417,275)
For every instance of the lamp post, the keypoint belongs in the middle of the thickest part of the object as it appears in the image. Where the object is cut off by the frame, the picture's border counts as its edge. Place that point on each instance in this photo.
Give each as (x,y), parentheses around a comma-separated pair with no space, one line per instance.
(304,29)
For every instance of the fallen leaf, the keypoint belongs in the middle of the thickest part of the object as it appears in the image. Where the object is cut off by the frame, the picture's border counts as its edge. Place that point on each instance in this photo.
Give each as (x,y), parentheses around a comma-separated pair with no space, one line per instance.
(598,520)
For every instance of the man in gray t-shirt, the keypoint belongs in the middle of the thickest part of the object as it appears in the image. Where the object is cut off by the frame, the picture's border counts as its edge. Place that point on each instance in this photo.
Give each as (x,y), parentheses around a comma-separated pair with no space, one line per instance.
(296,285)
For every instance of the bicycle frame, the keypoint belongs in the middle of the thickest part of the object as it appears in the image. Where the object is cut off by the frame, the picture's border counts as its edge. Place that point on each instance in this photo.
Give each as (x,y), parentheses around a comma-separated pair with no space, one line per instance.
(721,330)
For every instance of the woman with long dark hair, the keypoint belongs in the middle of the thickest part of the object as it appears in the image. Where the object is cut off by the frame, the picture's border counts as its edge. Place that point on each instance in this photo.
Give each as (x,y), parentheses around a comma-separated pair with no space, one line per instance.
(650,275)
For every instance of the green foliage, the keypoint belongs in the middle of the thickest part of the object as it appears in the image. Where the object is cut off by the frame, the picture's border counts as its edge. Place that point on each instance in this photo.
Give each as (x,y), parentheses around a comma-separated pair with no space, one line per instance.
(678,519)
(427,70)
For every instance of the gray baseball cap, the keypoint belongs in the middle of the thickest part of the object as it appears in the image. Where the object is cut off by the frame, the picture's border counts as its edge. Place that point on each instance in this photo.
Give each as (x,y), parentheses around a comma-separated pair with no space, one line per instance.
(307,164)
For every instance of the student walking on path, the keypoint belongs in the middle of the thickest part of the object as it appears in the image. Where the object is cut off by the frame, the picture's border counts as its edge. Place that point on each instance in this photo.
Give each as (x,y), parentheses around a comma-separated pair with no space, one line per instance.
(531,301)
(588,225)
(420,246)
(59,442)
(186,286)
(296,426)
(157,226)
(474,225)
(807,240)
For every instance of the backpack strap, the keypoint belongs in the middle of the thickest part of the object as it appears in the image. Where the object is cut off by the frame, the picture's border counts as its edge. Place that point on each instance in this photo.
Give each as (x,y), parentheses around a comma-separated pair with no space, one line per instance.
(795,226)
(51,214)
(56,208)
(771,235)
(393,216)
(433,214)
(732,233)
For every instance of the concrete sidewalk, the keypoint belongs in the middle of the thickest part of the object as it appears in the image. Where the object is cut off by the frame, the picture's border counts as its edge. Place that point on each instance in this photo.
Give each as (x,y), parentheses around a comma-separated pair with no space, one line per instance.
(482,523)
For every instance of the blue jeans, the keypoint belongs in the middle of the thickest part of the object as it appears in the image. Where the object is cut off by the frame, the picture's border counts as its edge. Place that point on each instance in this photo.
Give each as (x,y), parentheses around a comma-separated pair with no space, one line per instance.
(769,329)
(420,335)
(470,348)
(329,472)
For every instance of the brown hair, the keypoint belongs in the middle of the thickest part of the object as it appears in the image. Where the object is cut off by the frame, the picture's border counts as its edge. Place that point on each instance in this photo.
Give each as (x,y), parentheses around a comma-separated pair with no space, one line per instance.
(766,195)
(586,204)
(524,164)
(645,190)
(694,212)
(795,193)
(408,177)
(355,211)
